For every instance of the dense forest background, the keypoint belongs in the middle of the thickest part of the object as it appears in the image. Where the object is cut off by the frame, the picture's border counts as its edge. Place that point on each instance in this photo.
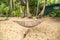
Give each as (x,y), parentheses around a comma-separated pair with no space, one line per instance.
(13,8)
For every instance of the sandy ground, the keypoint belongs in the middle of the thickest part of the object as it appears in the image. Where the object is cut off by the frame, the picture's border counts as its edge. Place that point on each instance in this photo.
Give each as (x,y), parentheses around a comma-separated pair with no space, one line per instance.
(48,29)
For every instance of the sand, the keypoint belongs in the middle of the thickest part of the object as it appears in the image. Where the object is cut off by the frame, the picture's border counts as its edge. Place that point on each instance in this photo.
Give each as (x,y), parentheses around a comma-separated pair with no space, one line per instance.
(48,29)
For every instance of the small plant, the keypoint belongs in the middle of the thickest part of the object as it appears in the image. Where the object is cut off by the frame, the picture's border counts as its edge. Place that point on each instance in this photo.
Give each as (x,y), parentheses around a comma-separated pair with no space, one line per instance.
(58,13)
(55,13)
(16,13)
(52,14)
(6,10)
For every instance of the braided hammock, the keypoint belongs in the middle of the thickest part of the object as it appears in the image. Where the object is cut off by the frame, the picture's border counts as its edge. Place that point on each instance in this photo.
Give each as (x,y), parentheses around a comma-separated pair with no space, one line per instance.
(32,23)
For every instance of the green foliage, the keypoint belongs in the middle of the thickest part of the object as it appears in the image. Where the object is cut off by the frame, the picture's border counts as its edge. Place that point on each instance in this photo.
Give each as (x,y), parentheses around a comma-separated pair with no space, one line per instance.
(5,7)
(2,5)
(16,13)
(1,14)
(6,10)
(55,13)
(52,14)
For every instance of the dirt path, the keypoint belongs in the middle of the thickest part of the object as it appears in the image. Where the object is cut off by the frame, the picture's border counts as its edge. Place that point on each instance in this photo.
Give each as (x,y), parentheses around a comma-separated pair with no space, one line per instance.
(49,29)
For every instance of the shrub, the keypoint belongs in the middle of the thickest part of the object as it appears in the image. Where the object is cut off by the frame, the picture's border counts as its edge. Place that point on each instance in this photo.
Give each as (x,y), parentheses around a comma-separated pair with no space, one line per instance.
(52,14)
(55,13)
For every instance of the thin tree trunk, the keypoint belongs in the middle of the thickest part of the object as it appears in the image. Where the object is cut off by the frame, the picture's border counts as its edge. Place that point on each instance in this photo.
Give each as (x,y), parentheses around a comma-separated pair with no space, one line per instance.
(11,2)
(11,7)
(21,11)
(42,12)
(14,5)
(37,7)
(28,11)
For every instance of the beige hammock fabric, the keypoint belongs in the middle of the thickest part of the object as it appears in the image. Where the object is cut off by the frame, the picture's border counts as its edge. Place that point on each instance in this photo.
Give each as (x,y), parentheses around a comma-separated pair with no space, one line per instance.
(28,23)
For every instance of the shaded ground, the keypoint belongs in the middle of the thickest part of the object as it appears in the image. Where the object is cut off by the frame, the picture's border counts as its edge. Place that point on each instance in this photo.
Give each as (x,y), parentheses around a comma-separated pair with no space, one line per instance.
(49,29)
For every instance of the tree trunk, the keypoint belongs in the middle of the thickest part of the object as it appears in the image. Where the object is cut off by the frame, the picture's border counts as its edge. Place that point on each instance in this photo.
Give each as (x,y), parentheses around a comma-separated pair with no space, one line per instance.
(21,11)
(14,4)
(27,7)
(37,7)
(11,4)
(42,12)
(11,7)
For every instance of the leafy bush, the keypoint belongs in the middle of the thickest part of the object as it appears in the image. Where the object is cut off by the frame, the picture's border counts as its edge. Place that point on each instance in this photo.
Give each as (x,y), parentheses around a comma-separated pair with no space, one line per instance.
(16,13)
(4,9)
(52,14)
(55,13)
(15,4)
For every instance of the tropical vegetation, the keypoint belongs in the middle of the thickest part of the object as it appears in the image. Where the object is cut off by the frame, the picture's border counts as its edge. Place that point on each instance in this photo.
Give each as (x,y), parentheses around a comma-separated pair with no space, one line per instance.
(29,8)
